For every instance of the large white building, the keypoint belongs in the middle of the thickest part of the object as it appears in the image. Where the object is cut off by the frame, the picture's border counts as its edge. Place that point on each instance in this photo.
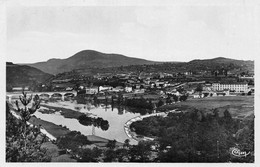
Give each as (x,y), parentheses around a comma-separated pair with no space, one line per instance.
(91,90)
(237,87)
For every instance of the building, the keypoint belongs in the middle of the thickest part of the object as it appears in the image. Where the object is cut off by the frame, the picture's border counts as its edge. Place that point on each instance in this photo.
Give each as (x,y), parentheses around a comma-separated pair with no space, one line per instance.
(139,91)
(128,89)
(69,89)
(160,84)
(232,86)
(92,90)
(207,87)
(118,89)
(62,86)
(103,88)
(20,88)
(198,95)
(190,91)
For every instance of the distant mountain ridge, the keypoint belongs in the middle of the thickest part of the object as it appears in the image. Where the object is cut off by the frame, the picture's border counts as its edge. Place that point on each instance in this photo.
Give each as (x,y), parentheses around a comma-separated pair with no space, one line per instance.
(90,59)
(87,59)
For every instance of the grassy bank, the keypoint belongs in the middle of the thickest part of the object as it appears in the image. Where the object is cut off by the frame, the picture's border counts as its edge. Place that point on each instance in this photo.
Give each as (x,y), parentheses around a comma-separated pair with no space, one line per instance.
(238,106)
(52,128)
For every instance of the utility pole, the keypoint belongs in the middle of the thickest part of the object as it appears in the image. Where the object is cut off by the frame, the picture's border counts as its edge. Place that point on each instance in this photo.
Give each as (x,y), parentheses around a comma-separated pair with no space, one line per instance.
(218,140)
(218,149)
(93,130)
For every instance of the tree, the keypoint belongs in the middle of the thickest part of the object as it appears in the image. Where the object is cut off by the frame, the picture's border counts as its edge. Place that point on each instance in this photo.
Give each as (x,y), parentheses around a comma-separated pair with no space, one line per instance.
(160,103)
(23,141)
(206,94)
(110,154)
(168,100)
(73,141)
(183,98)
(251,82)
(90,155)
(120,99)
(141,152)
(122,155)
(227,116)
(127,143)
(111,144)
(199,88)
(175,98)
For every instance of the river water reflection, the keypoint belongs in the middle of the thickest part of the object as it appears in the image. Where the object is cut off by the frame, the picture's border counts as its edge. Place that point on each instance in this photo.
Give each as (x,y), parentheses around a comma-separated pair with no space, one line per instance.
(116,118)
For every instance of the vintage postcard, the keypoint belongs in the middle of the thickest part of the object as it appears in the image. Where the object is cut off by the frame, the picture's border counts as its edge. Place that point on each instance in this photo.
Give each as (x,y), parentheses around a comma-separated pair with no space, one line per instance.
(130,82)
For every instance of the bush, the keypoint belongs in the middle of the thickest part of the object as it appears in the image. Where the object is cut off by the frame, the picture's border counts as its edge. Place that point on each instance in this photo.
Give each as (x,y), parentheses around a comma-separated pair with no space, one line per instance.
(160,103)
(97,122)
(73,140)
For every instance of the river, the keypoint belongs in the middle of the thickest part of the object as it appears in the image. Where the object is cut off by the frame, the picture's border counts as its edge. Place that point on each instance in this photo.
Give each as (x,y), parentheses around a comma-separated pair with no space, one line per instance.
(116,119)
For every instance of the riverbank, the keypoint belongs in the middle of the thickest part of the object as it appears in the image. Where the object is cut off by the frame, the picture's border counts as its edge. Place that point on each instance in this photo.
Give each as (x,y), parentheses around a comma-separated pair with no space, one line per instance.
(53,131)
(43,131)
(58,130)
(136,137)
(100,141)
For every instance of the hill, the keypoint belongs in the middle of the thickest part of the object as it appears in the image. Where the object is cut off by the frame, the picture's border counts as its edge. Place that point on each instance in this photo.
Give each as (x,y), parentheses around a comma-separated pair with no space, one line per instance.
(221,62)
(87,59)
(22,75)
(196,66)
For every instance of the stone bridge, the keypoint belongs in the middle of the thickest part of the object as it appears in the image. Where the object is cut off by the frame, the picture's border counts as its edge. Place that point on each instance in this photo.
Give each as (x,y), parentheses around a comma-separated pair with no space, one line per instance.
(10,95)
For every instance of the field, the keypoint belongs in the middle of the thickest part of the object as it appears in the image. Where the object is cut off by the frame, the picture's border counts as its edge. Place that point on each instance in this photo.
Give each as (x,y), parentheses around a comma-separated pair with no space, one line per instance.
(238,106)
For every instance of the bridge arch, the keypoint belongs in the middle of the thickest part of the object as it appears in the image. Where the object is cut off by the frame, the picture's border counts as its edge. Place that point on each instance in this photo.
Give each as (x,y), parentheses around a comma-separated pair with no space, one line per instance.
(56,95)
(43,96)
(69,94)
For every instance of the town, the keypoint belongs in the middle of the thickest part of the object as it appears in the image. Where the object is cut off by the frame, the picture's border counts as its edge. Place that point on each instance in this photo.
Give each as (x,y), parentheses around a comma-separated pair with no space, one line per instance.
(152,86)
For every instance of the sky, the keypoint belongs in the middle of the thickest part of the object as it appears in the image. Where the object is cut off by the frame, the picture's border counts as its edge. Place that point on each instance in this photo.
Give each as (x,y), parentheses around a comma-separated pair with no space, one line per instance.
(152,31)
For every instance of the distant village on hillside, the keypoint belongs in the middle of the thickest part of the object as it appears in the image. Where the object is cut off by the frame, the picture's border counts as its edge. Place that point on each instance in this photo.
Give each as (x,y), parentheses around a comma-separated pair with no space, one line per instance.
(142,84)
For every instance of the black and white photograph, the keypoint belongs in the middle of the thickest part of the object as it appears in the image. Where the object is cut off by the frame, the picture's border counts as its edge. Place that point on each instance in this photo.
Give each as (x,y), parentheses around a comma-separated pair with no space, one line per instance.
(129,82)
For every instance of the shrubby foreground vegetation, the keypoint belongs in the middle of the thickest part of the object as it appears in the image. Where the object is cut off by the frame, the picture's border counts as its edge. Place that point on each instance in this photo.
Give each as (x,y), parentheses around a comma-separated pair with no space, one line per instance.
(196,137)
(23,141)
